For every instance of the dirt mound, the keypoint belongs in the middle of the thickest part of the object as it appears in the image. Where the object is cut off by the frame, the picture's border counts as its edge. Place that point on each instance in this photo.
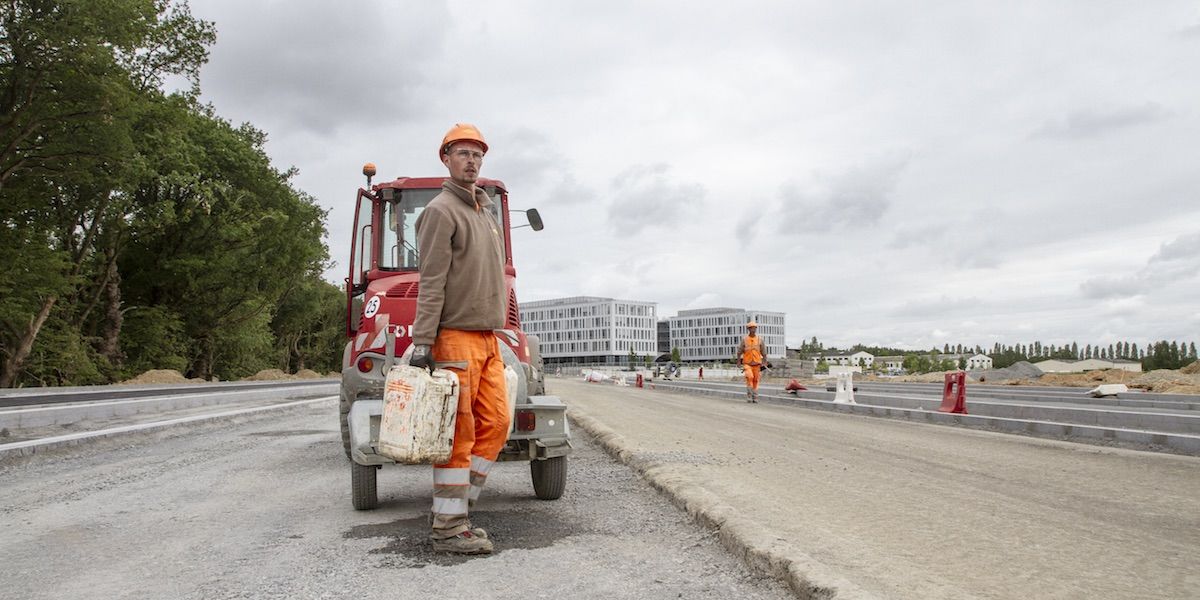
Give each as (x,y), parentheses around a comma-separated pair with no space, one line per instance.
(1168,381)
(308,374)
(1192,369)
(157,376)
(936,377)
(1089,379)
(269,375)
(1021,371)
(333,375)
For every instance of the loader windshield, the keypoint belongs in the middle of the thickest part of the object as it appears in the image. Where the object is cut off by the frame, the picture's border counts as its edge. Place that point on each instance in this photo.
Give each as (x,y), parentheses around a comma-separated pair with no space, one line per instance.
(400,211)
(400,227)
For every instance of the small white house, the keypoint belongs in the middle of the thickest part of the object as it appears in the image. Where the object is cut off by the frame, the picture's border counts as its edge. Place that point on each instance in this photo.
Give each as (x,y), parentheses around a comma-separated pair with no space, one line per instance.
(858,359)
(862,359)
(979,362)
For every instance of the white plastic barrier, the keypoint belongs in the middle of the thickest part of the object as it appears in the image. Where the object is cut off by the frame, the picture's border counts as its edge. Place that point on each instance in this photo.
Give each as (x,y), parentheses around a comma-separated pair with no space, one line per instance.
(845,389)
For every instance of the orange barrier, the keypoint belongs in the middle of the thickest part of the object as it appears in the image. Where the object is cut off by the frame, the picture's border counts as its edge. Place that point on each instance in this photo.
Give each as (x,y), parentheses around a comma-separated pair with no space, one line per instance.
(954,393)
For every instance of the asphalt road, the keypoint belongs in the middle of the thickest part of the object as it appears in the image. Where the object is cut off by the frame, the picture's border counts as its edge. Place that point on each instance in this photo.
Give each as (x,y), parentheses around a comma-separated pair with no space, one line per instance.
(912,510)
(260,508)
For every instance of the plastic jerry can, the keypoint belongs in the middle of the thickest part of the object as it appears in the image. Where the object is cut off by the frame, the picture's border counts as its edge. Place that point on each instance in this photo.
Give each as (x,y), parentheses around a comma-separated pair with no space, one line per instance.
(417,426)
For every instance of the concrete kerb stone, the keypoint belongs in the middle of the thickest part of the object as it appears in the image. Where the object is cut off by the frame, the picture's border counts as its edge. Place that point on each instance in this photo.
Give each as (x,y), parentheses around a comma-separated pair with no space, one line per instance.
(1180,443)
(755,544)
(61,414)
(30,447)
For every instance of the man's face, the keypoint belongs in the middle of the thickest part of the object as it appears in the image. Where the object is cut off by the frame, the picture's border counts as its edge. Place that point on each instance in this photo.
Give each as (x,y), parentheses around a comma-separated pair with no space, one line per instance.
(753,330)
(464,159)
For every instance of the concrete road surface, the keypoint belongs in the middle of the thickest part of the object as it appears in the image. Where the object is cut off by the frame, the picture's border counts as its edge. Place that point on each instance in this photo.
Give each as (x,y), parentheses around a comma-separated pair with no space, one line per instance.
(261,509)
(909,510)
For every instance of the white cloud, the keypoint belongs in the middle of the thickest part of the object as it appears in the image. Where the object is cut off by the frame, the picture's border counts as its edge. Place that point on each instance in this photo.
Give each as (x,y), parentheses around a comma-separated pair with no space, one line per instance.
(1176,263)
(992,172)
(1088,123)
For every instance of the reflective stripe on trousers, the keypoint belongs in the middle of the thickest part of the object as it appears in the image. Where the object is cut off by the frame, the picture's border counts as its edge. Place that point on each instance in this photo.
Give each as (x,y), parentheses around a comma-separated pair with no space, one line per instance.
(480,429)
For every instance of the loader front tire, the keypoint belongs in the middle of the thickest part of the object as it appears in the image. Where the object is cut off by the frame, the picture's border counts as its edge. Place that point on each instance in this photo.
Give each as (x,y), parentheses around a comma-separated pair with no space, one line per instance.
(549,477)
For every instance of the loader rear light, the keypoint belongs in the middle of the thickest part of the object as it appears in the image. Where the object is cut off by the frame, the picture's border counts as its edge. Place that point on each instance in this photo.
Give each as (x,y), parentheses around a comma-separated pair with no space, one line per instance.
(526,420)
(365,364)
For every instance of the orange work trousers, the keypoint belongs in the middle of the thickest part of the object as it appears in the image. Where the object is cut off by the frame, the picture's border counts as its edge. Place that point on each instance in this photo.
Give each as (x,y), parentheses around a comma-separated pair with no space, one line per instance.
(753,374)
(480,428)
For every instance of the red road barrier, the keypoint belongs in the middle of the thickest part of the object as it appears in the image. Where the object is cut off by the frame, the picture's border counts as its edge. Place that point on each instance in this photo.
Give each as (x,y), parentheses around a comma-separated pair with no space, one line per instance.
(954,394)
(794,386)
(639,380)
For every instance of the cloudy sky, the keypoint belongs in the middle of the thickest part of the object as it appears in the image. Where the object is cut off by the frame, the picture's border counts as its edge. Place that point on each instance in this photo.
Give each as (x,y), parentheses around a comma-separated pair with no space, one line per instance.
(904,174)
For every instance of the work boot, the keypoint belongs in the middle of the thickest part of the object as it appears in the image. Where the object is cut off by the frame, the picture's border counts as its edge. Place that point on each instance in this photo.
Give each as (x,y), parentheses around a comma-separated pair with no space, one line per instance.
(475,530)
(463,543)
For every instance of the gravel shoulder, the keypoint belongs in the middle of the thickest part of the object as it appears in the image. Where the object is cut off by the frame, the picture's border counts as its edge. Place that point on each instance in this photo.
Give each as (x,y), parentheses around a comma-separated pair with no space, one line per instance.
(910,510)
(260,508)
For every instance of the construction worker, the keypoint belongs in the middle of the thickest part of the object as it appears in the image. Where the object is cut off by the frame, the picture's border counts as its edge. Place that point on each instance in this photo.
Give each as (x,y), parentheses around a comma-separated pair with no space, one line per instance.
(461,301)
(751,356)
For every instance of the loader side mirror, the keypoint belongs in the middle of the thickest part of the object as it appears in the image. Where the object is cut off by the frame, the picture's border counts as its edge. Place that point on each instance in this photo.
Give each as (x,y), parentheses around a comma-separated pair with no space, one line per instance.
(531,215)
(535,220)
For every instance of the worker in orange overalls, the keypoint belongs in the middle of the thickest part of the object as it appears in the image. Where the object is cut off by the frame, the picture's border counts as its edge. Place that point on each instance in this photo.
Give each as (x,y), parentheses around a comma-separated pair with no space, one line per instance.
(751,356)
(461,301)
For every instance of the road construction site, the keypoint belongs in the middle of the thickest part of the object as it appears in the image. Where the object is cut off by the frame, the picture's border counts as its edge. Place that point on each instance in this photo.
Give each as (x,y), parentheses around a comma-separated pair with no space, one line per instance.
(217,493)
(1138,420)
(846,505)
(258,506)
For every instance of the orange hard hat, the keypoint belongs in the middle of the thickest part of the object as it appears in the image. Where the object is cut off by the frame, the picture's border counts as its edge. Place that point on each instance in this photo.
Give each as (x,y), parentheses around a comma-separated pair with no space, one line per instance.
(460,132)
(751,324)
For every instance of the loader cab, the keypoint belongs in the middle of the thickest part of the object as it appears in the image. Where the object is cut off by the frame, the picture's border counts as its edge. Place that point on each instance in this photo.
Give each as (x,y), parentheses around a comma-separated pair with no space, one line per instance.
(384,278)
(385,236)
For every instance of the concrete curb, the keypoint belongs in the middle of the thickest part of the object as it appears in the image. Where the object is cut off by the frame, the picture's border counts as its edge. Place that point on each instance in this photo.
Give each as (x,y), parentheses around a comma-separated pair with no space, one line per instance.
(755,544)
(1181,443)
(62,414)
(31,447)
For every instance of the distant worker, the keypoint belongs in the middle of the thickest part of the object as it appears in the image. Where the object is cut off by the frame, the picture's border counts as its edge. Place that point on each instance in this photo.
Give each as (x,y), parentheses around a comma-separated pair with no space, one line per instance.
(461,300)
(751,356)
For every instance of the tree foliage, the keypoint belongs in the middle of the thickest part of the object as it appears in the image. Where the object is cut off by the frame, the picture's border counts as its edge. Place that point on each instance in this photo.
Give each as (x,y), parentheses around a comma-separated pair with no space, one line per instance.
(144,231)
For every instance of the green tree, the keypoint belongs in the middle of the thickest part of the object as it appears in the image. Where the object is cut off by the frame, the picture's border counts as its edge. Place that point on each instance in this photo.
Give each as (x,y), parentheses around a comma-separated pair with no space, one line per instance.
(675,356)
(76,81)
(222,243)
(309,327)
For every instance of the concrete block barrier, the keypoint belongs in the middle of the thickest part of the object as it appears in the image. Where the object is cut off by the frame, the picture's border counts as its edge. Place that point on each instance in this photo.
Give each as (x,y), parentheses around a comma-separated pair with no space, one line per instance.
(65,414)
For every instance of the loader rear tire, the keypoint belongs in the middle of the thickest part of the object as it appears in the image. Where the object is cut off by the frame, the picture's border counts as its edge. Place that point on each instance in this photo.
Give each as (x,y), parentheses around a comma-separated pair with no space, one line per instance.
(344,417)
(363,492)
(549,477)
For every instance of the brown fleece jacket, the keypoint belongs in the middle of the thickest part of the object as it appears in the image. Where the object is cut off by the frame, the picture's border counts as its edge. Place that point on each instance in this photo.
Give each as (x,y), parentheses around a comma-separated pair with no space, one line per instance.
(462,265)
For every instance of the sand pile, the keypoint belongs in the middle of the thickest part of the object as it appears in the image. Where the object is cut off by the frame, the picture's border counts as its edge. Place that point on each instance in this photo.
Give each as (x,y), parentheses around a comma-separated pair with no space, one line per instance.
(1089,379)
(936,377)
(308,374)
(1192,369)
(268,375)
(157,376)
(1168,381)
